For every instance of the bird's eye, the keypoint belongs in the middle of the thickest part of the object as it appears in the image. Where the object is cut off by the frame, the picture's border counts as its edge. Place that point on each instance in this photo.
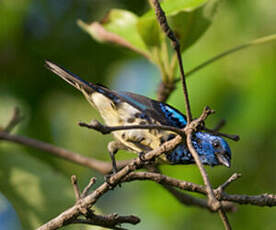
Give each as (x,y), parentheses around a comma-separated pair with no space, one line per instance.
(216,144)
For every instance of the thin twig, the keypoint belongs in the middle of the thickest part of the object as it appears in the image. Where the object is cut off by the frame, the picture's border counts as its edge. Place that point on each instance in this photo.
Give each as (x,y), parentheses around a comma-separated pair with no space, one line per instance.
(214,204)
(161,17)
(15,119)
(89,200)
(76,189)
(224,219)
(100,166)
(96,125)
(230,51)
(212,200)
(88,187)
(108,221)
(163,179)
(231,179)
(258,200)
(183,198)
(230,136)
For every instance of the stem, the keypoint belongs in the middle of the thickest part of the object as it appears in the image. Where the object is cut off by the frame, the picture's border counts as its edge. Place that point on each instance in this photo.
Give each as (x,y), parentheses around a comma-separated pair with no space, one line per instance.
(100,166)
(258,41)
(211,196)
(94,124)
(161,17)
(224,219)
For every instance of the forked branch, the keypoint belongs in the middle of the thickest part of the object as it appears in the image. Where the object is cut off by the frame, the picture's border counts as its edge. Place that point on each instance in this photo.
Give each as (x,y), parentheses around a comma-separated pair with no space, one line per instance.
(161,17)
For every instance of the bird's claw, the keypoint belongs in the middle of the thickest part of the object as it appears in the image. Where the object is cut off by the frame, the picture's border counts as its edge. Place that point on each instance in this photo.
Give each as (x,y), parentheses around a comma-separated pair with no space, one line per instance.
(142,157)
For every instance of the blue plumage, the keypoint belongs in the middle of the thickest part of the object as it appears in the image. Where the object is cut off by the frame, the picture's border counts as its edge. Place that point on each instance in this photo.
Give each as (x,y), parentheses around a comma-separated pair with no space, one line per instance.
(125,108)
(176,119)
(212,150)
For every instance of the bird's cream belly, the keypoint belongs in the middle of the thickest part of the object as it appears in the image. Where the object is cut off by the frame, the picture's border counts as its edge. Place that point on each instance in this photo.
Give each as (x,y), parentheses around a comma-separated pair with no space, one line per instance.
(137,140)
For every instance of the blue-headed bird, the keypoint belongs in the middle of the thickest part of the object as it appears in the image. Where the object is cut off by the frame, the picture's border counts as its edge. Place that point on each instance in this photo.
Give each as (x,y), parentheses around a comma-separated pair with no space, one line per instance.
(125,108)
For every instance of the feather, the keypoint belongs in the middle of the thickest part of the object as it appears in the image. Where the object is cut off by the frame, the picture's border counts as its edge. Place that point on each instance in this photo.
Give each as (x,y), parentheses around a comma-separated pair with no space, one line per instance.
(159,111)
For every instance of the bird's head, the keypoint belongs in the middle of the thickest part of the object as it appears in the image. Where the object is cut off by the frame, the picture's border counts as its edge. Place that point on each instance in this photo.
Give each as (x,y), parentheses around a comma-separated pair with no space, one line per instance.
(213,150)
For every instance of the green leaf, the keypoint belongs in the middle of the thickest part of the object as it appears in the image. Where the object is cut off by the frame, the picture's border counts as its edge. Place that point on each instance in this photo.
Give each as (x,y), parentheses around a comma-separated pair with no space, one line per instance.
(118,27)
(189,19)
(172,7)
(190,26)
(150,31)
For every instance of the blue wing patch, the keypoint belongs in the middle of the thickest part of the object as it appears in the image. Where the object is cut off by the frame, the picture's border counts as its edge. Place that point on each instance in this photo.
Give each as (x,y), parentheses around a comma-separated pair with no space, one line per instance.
(176,119)
(156,110)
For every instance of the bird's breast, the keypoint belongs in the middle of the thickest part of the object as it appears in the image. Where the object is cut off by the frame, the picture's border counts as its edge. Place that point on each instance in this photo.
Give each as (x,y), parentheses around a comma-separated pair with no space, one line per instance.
(123,114)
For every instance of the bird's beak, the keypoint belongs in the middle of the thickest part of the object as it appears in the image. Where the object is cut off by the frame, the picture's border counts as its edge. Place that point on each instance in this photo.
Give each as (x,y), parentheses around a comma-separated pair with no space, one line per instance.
(223,160)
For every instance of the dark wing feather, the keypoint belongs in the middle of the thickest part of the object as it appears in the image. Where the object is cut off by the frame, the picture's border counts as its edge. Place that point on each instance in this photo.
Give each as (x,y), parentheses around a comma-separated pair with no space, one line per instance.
(161,112)
(69,77)
(158,111)
(79,83)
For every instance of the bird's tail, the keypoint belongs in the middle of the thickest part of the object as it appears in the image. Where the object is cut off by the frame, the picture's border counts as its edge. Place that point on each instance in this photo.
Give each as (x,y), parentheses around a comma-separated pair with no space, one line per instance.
(85,87)
(71,78)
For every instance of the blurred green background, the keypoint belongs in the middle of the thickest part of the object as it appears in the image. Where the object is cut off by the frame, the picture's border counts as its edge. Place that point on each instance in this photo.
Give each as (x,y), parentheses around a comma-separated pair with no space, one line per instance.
(241,88)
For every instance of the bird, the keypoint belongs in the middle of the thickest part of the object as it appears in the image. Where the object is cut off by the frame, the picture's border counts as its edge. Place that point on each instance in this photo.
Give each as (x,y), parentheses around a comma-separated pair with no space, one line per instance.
(125,108)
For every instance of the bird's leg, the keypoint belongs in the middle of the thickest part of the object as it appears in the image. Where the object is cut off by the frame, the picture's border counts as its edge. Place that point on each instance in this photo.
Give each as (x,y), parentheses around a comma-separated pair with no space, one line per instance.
(113,147)
(141,157)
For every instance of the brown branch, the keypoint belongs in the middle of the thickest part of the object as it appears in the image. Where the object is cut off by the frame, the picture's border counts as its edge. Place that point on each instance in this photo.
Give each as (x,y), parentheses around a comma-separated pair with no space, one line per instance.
(231,179)
(169,183)
(108,221)
(74,183)
(189,129)
(211,196)
(258,200)
(224,219)
(183,198)
(100,166)
(161,18)
(187,199)
(163,179)
(212,200)
(88,187)
(87,202)
(96,125)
